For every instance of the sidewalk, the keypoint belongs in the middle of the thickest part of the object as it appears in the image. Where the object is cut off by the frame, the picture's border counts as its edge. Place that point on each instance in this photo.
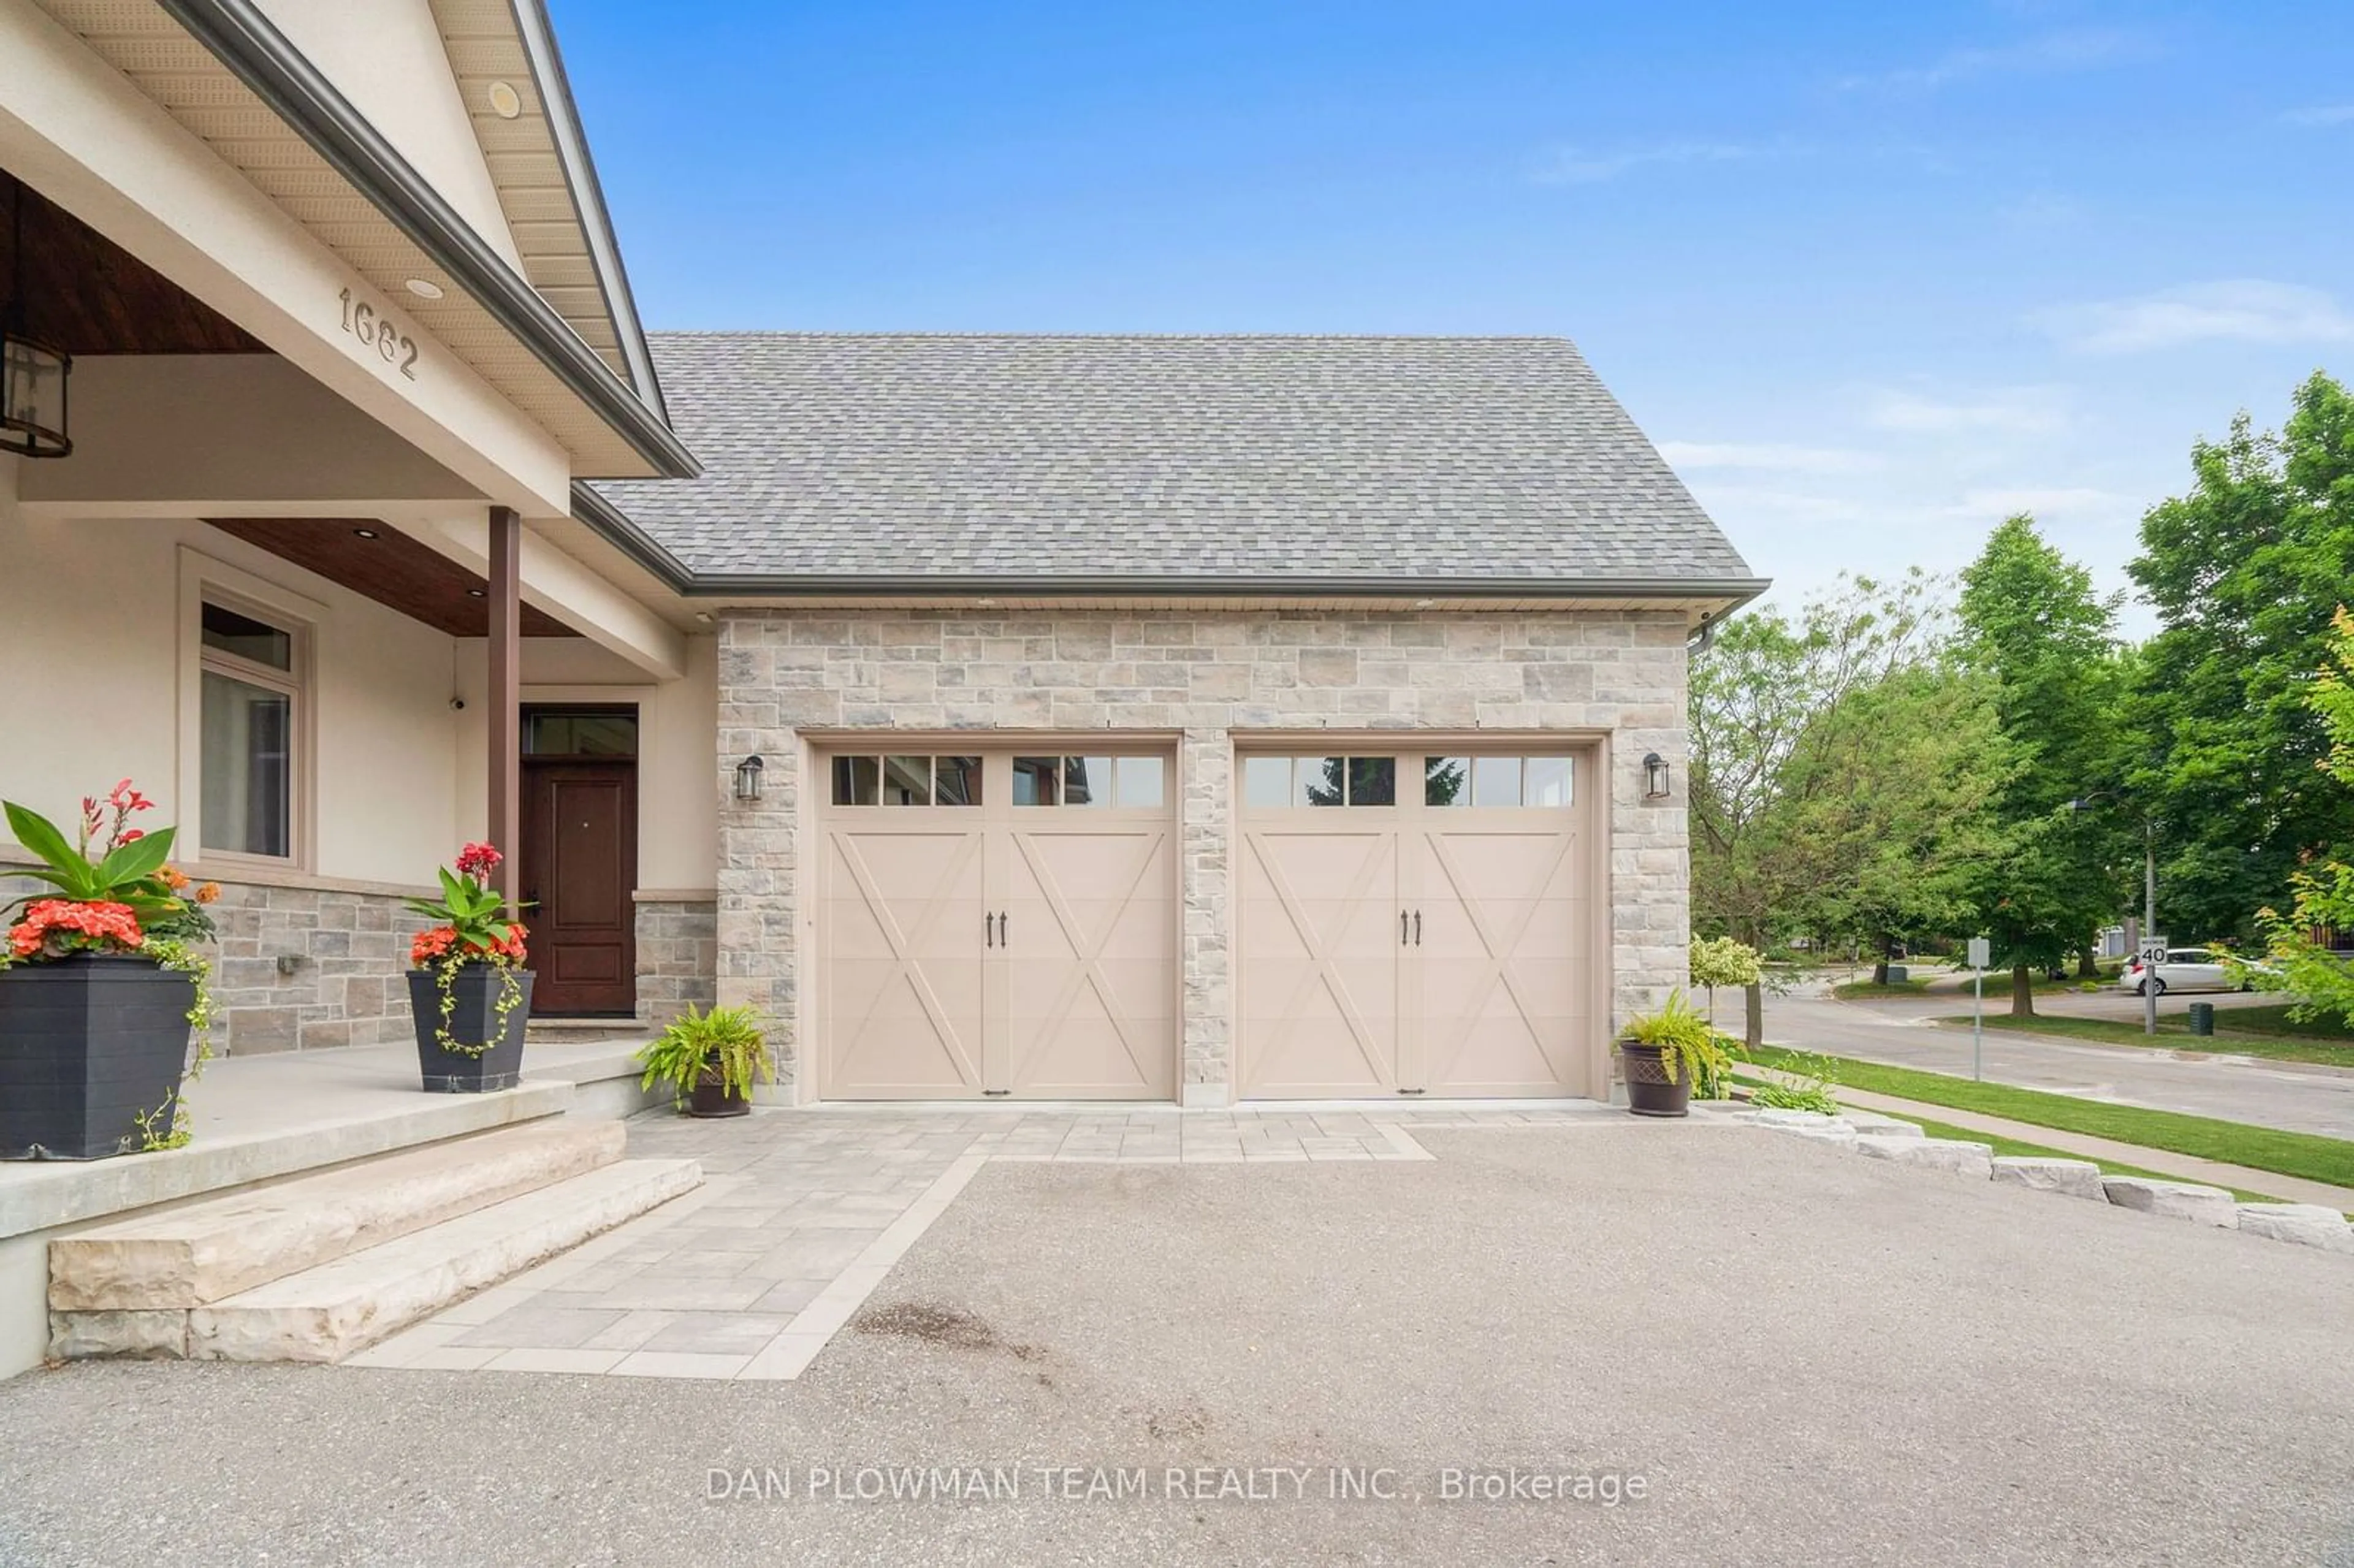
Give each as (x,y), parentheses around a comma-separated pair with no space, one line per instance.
(2180,1167)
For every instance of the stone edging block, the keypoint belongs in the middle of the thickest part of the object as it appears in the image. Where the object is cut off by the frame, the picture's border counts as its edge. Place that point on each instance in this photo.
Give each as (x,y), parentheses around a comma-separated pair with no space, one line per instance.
(2307,1224)
(1937,1153)
(2174,1200)
(1875,1138)
(2074,1177)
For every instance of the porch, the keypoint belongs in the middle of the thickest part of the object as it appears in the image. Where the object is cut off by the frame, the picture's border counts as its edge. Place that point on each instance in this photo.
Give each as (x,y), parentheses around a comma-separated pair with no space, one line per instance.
(312,634)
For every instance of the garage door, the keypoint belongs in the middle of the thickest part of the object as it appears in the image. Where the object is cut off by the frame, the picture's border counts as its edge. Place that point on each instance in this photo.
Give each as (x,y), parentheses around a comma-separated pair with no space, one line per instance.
(1417,923)
(998,924)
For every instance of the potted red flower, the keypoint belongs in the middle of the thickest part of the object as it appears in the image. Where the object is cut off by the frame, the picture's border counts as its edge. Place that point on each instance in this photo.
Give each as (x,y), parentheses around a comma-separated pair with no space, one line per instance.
(100,984)
(468,990)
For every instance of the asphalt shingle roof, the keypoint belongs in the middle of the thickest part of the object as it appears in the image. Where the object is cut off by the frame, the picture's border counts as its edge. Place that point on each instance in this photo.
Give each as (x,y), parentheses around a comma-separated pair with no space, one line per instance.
(1223,458)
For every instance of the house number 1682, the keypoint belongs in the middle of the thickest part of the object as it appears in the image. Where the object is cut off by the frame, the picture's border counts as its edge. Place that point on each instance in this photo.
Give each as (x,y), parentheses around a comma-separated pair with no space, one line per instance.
(363,321)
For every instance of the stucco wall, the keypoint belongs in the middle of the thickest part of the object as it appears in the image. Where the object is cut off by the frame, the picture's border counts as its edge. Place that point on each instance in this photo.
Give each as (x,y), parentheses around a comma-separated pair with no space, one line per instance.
(386,56)
(1209,678)
(90,623)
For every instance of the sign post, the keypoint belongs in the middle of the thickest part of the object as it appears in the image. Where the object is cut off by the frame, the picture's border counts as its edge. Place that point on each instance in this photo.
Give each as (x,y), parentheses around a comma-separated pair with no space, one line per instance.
(1981,951)
(2153,953)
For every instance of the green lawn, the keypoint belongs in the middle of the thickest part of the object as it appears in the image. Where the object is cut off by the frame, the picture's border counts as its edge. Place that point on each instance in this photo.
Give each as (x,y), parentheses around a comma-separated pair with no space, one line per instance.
(2302,1154)
(2269,1038)
(2275,1020)
(1848,991)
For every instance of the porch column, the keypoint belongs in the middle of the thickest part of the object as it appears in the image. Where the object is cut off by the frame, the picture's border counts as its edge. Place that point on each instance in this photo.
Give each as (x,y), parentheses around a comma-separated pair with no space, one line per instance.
(505,580)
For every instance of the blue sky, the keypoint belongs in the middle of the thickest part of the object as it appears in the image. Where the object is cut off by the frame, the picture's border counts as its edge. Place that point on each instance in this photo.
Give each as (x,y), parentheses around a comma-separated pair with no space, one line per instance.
(1871,275)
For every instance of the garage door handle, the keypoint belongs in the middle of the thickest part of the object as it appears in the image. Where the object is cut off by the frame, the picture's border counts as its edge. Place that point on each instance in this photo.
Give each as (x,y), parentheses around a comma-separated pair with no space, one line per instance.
(988,929)
(1417,927)
(1402,927)
(1003,921)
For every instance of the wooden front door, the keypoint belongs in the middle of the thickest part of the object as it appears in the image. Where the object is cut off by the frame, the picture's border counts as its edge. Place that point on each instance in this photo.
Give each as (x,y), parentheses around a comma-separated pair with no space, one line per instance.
(580,869)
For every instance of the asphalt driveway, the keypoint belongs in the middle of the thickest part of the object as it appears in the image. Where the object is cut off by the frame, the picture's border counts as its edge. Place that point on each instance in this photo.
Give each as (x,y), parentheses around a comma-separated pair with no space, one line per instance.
(1803,1356)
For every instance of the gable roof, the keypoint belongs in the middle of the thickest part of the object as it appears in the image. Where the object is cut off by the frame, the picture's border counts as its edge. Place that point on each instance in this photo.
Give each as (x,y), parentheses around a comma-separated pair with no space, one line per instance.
(232,77)
(1165,464)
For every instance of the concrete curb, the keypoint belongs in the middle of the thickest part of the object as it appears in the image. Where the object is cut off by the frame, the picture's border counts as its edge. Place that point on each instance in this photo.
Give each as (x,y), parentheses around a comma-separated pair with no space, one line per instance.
(2304,1225)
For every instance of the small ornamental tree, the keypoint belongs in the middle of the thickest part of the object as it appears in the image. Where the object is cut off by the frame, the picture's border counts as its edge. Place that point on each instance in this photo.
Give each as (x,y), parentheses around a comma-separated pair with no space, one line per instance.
(1724,960)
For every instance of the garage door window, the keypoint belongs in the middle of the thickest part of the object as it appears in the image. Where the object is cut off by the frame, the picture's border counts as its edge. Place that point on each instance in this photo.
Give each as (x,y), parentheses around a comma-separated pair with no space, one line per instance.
(1496,781)
(1134,782)
(1281,782)
(907,780)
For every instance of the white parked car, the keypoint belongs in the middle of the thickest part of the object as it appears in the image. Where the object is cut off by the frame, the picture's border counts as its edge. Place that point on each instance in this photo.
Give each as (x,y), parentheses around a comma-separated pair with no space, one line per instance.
(2185,968)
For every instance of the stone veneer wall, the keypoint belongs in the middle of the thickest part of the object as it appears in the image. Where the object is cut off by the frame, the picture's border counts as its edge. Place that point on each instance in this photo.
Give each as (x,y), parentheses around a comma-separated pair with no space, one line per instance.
(350,949)
(1209,677)
(678,955)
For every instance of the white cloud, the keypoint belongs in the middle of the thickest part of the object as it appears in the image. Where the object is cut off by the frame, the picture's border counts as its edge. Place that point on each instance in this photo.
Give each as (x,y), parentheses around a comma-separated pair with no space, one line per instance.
(1584,166)
(2041,211)
(2051,501)
(2015,410)
(1766,457)
(2248,310)
(2321,115)
(2074,49)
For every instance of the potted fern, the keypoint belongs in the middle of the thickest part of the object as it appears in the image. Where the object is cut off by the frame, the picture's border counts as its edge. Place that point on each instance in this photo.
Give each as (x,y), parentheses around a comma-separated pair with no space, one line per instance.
(710,1060)
(1668,1051)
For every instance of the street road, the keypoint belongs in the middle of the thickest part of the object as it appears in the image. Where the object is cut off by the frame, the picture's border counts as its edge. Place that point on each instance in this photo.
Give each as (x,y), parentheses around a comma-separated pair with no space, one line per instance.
(2234,1088)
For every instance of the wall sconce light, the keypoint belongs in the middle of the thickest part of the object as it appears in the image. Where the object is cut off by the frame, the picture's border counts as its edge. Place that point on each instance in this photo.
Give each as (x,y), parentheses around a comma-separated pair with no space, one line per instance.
(748,777)
(1655,777)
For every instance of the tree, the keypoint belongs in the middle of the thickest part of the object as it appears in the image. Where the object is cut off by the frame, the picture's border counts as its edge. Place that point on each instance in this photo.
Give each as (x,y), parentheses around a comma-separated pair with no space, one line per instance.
(2245,573)
(1891,809)
(2032,628)
(2305,961)
(1836,767)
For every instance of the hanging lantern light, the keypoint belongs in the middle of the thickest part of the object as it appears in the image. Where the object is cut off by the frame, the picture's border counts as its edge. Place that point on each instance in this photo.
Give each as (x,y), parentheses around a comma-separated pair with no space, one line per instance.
(32,373)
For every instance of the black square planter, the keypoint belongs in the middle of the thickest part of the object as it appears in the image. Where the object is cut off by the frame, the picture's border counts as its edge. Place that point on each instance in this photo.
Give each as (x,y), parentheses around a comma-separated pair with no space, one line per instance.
(473,1020)
(87,1044)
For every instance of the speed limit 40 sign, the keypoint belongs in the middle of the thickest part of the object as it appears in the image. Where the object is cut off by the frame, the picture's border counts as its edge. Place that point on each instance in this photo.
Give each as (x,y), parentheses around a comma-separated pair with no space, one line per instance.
(2153,952)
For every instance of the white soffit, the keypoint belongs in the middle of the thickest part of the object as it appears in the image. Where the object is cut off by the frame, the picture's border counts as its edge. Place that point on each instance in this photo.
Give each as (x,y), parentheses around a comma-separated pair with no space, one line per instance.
(190,83)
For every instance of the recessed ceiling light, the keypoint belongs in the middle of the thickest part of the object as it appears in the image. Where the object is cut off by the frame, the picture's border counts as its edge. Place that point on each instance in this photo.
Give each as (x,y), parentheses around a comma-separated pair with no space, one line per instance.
(986,603)
(1424,603)
(365,533)
(477,593)
(424,288)
(505,102)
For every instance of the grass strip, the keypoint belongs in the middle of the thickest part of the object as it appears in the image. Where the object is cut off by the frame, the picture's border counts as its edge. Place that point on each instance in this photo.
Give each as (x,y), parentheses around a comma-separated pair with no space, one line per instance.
(1851,990)
(2174,1034)
(2301,1154)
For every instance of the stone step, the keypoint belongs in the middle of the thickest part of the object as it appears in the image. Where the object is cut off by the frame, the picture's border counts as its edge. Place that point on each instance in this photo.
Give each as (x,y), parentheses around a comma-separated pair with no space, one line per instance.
(203,1252)
(327,1312)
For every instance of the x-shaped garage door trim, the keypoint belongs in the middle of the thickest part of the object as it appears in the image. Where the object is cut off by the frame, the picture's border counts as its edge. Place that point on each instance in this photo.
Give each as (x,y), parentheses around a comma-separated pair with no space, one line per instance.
(1320,958)
(1089,952)
(903,947)
(1500,948)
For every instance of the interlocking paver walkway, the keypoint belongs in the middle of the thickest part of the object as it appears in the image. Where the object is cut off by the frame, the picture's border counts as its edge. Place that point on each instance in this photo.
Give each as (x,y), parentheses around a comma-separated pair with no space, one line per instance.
(802,1213)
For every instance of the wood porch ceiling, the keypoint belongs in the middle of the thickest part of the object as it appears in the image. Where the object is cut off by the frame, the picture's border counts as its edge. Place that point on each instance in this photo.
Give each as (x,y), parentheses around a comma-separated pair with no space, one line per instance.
(85,294)
(392,568)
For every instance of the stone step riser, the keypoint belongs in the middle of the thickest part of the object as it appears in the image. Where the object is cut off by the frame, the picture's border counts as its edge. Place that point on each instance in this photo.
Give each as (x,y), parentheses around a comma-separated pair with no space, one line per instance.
(206,1252)
(330,1312)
